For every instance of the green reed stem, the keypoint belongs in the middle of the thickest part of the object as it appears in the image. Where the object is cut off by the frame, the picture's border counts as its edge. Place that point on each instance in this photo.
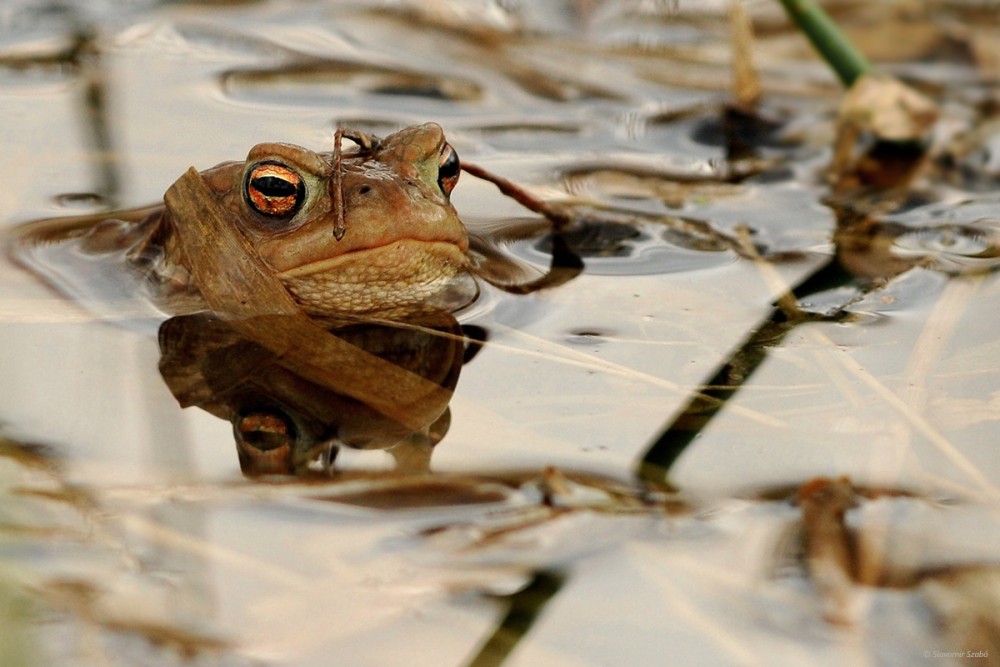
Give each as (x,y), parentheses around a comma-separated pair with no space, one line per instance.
(826,37)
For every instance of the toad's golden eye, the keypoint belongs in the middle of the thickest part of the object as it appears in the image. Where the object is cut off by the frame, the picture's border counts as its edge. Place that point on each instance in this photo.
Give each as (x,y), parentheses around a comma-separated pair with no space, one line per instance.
(448,169)
(275,190)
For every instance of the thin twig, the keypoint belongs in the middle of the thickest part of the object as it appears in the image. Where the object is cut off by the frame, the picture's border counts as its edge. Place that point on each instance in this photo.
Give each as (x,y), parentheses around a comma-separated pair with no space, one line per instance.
(339,212)
(560,217)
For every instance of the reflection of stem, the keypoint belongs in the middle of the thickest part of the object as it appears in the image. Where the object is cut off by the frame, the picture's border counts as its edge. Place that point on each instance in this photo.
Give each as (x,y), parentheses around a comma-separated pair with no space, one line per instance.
(525,607)
(86,57)
(566,264)
(746,83)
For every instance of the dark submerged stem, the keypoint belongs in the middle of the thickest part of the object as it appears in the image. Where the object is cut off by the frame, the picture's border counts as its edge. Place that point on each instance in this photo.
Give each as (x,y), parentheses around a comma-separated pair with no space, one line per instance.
(525,608)
(654,467)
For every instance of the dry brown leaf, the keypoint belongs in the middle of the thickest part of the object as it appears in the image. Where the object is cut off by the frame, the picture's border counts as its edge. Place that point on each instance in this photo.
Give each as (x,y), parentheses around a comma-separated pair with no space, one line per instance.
(888,109)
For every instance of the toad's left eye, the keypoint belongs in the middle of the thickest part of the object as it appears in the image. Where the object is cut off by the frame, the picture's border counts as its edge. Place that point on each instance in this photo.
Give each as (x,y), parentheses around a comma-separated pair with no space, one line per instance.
(448,169)
(275,190)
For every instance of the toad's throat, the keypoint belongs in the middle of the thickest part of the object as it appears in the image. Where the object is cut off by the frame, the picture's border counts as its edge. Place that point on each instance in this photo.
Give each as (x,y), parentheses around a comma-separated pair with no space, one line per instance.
(404,274)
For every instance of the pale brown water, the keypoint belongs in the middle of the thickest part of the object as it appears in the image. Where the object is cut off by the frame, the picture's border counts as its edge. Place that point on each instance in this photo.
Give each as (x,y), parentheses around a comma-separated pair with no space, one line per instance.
(133,538)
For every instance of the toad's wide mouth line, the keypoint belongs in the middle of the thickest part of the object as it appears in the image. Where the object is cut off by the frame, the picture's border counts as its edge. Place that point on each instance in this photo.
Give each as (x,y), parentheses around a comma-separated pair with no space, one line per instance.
(392,256)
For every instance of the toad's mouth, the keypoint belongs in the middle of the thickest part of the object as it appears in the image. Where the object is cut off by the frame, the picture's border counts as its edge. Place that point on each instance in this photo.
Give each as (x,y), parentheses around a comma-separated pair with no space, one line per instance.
(393,259)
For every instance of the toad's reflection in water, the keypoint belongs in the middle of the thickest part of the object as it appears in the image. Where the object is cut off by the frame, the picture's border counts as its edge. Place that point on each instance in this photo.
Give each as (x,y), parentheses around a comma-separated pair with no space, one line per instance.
(285,423)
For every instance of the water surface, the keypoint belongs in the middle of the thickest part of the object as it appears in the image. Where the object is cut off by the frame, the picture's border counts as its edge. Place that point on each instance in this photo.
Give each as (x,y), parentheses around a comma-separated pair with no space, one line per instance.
(134,539)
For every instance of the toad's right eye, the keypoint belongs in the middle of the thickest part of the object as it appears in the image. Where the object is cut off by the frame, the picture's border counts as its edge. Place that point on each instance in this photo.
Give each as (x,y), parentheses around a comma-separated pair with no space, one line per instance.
(274,190)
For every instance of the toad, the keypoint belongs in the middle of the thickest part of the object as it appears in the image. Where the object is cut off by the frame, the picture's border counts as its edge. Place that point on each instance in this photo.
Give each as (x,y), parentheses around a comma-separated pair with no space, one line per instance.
(366,231)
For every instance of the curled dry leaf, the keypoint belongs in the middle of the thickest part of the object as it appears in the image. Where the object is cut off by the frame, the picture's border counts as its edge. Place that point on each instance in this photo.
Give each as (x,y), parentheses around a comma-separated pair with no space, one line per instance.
(888,108)
(898,117)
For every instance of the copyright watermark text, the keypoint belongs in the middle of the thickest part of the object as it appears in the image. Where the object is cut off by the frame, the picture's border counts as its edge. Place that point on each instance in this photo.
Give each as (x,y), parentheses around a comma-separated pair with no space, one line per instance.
(956,654)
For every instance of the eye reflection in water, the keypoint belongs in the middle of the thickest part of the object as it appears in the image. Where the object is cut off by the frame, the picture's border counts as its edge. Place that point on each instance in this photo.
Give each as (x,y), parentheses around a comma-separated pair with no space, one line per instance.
(284,423)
